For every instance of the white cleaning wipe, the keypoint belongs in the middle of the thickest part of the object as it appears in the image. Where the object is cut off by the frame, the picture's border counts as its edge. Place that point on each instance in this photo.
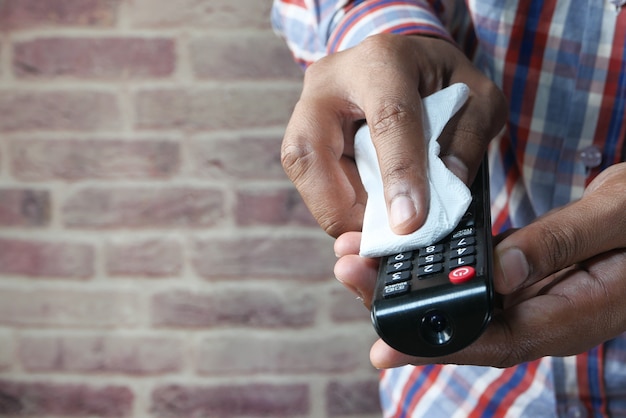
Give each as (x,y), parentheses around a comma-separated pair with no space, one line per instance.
(449,196)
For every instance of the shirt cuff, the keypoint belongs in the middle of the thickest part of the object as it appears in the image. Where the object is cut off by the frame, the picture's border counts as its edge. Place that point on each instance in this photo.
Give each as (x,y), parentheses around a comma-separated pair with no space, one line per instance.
(384,16)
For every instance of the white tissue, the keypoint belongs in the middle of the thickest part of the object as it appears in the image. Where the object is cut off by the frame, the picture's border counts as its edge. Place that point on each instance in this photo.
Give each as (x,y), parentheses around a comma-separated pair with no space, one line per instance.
(449,196)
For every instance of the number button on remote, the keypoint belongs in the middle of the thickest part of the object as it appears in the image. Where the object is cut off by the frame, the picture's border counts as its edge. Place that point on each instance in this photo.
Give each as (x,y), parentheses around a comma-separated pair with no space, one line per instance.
(425,271)
(399,266)
(398,276)
(431,249)
(430,259)
(407,255)
(463,242)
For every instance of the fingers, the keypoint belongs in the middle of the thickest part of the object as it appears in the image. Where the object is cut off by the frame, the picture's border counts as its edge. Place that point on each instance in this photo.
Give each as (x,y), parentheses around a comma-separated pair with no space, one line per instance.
(465,137)
(386,88)
(382,81)
(390,98)
(313,156)
(403,165)
(558,315)
(581,230)
(356,273)
(348,243)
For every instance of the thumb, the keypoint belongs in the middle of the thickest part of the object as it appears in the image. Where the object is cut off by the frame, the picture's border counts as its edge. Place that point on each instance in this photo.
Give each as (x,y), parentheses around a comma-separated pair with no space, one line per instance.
(558,240)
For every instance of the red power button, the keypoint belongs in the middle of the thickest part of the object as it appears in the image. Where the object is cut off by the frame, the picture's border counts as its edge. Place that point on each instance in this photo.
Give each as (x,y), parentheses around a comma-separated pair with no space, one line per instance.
(461,274)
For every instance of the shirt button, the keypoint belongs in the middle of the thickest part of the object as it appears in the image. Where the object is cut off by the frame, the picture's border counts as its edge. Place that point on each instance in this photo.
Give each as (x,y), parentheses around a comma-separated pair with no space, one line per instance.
(575,411)
(590,156)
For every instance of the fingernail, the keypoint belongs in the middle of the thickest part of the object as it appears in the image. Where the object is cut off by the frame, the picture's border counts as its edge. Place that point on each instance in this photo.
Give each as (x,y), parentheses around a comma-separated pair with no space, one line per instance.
(457,166)
(402,210)
(514,266)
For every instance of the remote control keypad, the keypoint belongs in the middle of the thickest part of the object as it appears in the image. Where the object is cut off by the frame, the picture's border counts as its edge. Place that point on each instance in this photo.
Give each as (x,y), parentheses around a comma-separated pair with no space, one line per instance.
(436,300)
(455,257)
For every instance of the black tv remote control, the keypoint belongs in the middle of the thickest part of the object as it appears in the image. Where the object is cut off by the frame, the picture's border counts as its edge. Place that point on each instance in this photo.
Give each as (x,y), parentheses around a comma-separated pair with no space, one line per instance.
(436,300)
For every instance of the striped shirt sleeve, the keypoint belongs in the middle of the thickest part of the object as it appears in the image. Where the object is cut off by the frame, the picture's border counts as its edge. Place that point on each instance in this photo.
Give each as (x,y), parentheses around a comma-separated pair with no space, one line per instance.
(313,29)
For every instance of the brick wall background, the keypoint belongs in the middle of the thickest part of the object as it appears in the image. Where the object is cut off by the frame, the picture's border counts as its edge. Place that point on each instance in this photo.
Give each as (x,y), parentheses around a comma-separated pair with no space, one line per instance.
(154,259)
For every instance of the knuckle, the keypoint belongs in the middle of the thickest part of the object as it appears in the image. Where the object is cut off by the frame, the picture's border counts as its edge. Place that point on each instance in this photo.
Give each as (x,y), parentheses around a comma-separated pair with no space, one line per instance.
(332,220)
(558,245)
(401,169)
(391,117)
(317,71)
(379,46)
(332,226)
(296,159)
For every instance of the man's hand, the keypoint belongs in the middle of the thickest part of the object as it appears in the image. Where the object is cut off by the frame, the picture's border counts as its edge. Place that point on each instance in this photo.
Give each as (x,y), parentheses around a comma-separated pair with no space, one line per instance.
(382,81)
(562,278)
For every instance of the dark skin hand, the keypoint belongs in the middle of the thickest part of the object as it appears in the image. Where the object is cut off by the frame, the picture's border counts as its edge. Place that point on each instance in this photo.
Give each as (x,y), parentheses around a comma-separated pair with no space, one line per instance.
(562,278)
(382,81)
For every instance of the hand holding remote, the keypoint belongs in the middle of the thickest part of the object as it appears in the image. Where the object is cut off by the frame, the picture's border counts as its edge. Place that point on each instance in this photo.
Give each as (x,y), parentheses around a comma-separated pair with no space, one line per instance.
(555,306)
(382,81)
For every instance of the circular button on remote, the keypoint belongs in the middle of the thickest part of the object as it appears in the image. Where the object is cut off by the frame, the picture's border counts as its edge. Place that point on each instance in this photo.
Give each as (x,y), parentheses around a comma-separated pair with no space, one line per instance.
(461,274)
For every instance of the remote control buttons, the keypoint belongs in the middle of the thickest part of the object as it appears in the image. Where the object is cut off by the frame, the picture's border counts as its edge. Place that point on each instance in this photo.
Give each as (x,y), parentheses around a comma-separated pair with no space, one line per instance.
(463,242)
(429,269)
(398,276)
(461,274)
(407,255)
(396,289)
(431,249)
(399,266)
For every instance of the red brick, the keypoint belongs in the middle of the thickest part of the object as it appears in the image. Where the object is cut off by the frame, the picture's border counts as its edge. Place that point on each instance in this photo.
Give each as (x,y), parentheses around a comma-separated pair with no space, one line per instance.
(272,207)
(221,107)
(345,307)
(21,14)
(74,110)
(143,207)
(65,308)
(251,400)
(46,259)
(237,158)
(233,307)
(6,351)
(93,159)
(251,56)
(39,399)
(24,207)
(101,58)
(144,258)
(278,257)
(353,398)
(213,14)
(230,354)
(102,354)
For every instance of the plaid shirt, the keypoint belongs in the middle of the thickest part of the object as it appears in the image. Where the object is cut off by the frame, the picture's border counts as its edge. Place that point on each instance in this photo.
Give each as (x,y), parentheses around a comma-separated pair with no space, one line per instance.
(561,64)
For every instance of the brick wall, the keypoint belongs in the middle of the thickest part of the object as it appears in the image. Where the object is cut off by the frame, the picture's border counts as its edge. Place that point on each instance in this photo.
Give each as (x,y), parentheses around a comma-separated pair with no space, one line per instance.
(154,259)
